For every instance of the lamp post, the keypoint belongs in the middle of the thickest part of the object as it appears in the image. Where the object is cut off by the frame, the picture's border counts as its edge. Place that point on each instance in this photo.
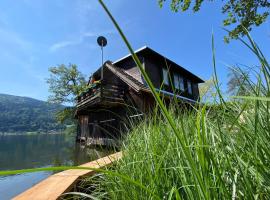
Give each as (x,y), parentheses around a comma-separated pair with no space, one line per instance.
(102,42)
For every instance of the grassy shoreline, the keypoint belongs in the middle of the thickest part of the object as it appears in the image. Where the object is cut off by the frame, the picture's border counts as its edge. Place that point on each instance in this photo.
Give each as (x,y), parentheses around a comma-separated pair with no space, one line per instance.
(207,154)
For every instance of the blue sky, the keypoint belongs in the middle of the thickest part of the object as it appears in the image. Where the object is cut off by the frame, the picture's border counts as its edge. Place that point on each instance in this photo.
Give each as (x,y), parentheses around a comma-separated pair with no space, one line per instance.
(37,34)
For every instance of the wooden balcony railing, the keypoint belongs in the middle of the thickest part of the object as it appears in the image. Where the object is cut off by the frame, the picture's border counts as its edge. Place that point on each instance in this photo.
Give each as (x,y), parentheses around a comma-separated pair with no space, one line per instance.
(101,93)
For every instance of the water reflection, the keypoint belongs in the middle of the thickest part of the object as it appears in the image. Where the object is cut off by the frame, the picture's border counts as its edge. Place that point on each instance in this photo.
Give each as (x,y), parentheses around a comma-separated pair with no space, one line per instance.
(23,151)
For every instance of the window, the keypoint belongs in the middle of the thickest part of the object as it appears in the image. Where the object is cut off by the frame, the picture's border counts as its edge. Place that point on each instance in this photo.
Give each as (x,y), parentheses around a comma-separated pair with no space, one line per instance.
(182,86)
(189,84)
(178,82)
(165,76)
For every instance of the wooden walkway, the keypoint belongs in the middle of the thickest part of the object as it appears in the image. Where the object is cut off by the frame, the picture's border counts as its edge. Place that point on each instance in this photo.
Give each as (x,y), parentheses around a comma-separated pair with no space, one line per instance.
(57,184)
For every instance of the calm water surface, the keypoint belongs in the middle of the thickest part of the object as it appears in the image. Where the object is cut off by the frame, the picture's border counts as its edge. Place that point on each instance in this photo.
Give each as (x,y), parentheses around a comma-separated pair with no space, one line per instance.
(30,151)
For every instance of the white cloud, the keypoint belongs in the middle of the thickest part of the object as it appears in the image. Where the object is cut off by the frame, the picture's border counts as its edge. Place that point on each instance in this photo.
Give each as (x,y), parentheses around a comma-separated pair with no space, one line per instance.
(67,43)
(79,39)
(12,39)
(59,45)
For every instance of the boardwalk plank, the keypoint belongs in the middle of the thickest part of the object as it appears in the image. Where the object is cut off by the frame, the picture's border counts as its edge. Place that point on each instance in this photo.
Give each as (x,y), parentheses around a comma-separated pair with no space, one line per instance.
(57,184)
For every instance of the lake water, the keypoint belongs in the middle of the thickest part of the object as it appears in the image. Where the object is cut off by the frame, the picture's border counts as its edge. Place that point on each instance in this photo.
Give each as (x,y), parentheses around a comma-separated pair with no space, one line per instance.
(31,151)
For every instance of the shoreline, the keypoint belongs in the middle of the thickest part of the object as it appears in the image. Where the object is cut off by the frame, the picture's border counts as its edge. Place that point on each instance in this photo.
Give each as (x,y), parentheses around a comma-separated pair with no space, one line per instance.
(32,133)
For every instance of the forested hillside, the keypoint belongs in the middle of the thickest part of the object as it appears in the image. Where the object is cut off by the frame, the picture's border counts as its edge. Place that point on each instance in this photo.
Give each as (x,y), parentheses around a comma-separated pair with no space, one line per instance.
(23,114)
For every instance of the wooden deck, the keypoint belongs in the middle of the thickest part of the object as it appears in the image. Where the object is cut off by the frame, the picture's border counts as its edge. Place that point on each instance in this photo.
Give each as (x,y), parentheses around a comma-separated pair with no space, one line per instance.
(102,94)
(57,184)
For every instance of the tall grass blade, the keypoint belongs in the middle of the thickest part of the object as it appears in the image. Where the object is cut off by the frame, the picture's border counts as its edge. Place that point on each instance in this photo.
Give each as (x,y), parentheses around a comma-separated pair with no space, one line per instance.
(159,102)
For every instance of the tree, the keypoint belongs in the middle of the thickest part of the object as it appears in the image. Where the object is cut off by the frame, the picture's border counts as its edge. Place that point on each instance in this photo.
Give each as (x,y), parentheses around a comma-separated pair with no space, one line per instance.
(240,13)
(65,83)
(239,82)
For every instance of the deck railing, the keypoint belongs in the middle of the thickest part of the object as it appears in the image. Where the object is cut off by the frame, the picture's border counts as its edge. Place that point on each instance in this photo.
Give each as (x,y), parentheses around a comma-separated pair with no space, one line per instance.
(105,92)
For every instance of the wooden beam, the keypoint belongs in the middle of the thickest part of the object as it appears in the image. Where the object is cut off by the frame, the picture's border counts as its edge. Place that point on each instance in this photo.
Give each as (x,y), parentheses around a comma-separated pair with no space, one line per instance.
(123,77)
(57,184)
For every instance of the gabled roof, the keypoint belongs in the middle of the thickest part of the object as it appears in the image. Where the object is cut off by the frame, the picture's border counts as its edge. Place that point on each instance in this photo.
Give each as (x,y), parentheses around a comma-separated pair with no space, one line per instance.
(127,56)
(147,50)
(137,85)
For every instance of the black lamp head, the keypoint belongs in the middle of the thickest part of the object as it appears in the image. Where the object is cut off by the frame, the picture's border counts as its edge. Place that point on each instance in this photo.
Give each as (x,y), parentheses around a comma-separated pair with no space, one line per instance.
(102,41)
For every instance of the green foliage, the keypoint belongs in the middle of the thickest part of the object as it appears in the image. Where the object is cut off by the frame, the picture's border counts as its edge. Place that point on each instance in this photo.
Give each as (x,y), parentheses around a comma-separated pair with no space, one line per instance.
(71,129)
(65,83)
(240,13)
(66,115)
(230,161)
(23,114)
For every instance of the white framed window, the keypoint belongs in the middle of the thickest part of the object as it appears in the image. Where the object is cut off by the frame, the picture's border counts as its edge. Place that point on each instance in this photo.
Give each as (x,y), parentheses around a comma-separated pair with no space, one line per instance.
(178,82)
(182,86)
(189,85)
(165,76)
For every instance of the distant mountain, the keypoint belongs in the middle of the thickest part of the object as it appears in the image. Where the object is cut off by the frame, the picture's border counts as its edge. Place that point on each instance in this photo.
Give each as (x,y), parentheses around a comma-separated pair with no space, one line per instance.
(24,114)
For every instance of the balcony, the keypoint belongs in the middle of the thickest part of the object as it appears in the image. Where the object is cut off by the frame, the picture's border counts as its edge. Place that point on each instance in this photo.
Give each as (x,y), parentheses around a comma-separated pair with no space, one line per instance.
(101,95)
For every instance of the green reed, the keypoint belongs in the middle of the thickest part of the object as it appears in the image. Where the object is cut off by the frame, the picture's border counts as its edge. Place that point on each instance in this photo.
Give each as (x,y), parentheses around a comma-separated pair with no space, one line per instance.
(207,154)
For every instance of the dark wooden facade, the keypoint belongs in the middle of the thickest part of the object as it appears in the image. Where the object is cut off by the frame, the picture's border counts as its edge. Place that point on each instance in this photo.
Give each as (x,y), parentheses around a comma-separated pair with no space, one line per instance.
(104,110)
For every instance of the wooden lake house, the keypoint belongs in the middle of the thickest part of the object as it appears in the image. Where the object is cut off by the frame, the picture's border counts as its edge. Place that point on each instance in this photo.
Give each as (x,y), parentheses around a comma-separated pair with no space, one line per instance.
(117,93)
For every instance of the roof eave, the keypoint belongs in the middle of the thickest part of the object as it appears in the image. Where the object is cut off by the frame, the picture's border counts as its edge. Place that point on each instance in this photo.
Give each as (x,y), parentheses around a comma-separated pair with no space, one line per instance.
(199,80)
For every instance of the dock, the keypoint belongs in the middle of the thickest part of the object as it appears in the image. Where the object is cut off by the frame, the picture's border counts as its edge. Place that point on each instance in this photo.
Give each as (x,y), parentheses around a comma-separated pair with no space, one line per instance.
(56,185)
